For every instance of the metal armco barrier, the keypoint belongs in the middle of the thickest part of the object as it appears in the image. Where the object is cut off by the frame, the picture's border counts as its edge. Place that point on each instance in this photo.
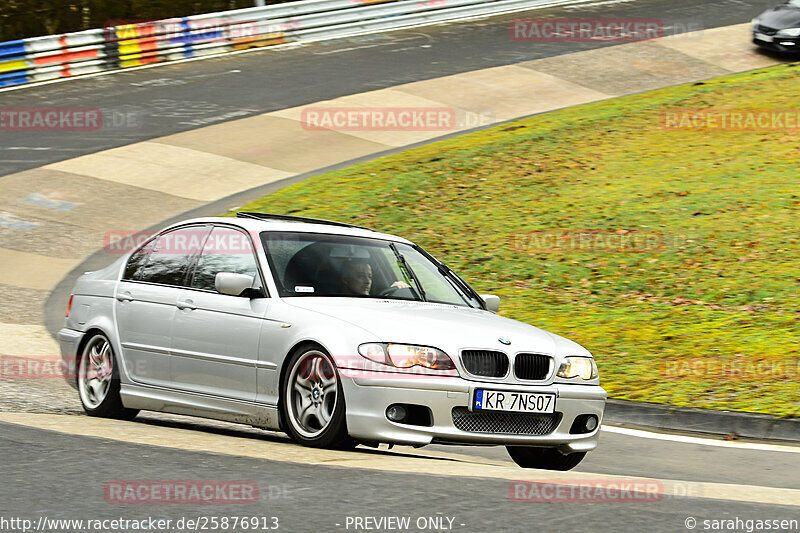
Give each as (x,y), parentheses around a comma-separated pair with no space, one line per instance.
(130,45)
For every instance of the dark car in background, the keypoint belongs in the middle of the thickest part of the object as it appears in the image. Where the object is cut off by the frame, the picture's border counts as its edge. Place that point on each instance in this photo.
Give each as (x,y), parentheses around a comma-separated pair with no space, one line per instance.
(778,28)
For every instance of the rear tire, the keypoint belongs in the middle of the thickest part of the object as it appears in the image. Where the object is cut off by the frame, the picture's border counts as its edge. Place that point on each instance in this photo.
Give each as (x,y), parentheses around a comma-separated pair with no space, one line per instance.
(98,380)
(312,401)
(544,458)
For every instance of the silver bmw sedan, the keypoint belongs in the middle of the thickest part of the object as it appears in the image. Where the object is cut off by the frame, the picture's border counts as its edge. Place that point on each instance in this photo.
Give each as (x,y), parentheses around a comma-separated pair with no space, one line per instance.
(333,333)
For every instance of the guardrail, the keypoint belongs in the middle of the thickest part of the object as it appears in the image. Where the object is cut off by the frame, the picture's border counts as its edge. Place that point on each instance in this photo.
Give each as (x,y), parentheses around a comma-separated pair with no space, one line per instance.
(130,45)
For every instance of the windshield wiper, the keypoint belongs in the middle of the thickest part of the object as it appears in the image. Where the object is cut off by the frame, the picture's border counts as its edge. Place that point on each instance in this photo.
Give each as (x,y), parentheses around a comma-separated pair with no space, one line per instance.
(454,282)
(459,283)
(402,261)
(462,287)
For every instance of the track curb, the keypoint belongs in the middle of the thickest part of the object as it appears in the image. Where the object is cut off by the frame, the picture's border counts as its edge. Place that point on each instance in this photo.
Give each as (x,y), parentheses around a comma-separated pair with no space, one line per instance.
(722,423)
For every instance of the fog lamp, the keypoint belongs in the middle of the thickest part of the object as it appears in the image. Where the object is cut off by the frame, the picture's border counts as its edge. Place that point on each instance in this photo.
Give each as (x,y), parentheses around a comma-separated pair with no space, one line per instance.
(396,413)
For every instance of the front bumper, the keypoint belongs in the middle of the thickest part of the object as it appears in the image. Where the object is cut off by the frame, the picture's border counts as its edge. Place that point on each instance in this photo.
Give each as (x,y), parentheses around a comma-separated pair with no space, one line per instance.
(786,45)
(368,398)
(68,341)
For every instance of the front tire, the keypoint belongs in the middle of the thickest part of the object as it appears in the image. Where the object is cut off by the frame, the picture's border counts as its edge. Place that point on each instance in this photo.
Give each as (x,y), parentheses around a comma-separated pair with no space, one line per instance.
(544,458)
(98,380)
(312,400)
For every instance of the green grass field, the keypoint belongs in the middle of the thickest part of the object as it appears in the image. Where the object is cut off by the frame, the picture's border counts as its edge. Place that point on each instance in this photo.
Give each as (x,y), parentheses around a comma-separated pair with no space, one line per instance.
(699,309)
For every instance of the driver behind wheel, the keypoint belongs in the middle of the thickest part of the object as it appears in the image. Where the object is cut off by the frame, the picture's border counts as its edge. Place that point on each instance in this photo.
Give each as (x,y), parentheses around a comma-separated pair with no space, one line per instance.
(357,278)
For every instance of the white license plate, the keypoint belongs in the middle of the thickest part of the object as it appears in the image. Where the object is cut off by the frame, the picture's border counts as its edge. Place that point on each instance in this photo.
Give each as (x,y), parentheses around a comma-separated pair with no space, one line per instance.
(762,37)
(516,402)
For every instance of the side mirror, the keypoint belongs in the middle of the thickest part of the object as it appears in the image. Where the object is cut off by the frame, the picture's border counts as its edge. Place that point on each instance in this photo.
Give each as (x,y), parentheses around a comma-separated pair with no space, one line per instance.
(492,302)
(232,284)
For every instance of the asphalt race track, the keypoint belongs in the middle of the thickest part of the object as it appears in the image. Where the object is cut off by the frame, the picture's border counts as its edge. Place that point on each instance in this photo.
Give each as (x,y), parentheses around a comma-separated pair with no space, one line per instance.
(63,476)
(57,463)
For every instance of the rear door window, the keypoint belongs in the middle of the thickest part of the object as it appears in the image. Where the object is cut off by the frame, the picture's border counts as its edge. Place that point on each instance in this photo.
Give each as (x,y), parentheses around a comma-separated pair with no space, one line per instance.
(137,262)
(167,259)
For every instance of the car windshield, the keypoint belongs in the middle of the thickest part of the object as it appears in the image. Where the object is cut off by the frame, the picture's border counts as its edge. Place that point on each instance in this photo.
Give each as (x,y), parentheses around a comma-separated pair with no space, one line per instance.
(311,264)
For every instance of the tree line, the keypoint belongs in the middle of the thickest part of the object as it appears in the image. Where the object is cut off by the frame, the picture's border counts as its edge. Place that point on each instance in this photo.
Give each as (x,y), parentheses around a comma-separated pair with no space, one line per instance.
(30,18)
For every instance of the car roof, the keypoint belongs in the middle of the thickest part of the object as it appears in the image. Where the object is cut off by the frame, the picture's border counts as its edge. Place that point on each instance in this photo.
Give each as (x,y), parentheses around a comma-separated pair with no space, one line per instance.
(255,225)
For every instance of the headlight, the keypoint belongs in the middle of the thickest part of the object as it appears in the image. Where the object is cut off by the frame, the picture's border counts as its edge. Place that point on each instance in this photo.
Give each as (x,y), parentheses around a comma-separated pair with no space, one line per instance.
(578,367)
(754,22)
(789,32)
(406,356)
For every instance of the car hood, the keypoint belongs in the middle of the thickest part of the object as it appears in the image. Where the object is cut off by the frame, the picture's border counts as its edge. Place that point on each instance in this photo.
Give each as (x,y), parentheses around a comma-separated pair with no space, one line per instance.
(780,17)
(446,327)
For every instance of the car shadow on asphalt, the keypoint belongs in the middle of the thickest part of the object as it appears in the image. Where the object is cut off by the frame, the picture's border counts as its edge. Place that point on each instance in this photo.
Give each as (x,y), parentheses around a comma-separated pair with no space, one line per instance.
(230,429)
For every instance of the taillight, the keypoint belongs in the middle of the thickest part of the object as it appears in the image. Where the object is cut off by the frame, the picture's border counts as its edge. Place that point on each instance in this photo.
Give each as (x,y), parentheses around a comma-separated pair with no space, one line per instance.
(69,305)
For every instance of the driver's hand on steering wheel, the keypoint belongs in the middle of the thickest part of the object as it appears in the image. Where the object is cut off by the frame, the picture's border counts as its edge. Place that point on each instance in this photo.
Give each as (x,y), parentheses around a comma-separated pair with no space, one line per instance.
(401,285)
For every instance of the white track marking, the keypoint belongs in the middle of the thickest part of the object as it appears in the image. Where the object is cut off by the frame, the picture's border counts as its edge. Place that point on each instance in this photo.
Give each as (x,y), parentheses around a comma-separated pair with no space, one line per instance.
(699,440)
(35,148)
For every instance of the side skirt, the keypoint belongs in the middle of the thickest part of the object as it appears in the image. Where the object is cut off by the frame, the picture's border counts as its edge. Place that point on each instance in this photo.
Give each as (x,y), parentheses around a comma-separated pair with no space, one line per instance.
(149,398)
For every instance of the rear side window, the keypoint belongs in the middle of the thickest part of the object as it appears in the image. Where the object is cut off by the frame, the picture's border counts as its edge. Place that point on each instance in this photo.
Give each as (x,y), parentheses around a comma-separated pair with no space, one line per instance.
(137,262)
(226,250)
(167,259)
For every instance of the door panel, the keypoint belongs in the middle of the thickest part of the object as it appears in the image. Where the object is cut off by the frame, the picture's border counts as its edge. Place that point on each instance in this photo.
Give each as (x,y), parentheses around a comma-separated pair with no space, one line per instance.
(215,344)
(146,298)
(144,321)
(215,338)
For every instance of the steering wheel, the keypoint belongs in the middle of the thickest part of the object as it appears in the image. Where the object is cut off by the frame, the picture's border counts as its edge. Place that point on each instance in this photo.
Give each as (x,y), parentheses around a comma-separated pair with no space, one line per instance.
(388,291)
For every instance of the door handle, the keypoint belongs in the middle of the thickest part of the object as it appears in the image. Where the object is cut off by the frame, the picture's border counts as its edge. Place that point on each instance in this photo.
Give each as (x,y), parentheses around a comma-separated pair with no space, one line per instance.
(185,304)
(124,297)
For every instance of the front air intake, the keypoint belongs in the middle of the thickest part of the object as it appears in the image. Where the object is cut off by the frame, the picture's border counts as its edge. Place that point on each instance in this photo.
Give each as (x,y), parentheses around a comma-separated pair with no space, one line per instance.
(532,366)
(485,363)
